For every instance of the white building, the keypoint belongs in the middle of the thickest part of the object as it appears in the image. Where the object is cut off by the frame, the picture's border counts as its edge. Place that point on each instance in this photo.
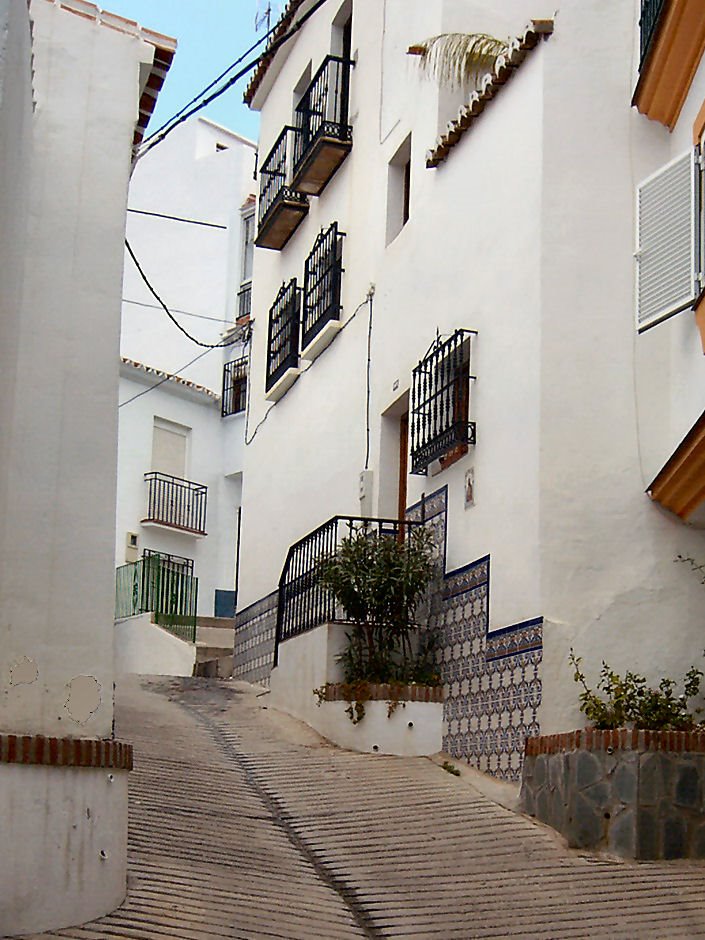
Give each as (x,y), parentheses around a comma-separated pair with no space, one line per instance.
(486,265)
(77,86)
(182,406)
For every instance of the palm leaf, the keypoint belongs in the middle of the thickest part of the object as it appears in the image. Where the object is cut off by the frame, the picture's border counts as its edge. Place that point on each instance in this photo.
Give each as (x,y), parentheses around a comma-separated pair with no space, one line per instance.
(456,59)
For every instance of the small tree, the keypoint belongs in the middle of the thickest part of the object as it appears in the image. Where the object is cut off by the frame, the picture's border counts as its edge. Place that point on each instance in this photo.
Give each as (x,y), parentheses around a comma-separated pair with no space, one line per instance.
(379,582)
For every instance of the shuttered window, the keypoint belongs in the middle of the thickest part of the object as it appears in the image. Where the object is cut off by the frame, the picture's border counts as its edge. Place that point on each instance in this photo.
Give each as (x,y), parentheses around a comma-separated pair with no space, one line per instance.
(668,240)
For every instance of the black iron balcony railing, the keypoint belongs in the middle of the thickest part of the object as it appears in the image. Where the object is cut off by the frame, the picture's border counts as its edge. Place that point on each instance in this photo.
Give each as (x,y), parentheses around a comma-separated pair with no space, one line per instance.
(176,503)
(440,401)
(303,603)
(173,562)
(322,276)
(234,396)
(283,338)
(650,14)
(154,584)
(244,301)
(324,137)
(281,207)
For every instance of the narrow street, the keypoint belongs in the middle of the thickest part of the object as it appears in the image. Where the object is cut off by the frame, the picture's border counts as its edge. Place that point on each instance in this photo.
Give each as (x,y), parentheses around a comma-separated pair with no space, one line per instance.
(245,824)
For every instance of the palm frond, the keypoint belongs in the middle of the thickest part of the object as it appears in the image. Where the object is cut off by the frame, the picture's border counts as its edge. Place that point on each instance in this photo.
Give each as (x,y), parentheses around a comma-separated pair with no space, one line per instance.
(456,59)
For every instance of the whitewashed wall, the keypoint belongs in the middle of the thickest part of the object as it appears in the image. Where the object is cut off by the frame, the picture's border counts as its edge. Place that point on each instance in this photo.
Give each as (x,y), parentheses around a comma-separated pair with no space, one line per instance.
(214,554)
(526,234)
(194,268)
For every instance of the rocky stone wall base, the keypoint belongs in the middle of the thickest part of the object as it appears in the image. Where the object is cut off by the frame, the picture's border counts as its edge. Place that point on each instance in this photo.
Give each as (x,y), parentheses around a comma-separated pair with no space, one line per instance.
(635,794)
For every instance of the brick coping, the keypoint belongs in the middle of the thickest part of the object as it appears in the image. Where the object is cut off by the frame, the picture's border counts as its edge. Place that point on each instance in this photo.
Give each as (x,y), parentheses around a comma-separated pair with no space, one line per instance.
(385,692)
(624,739)
(65,752)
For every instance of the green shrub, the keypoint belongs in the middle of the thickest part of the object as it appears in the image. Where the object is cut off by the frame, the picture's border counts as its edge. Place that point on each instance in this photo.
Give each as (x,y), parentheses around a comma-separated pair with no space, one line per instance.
(628,700)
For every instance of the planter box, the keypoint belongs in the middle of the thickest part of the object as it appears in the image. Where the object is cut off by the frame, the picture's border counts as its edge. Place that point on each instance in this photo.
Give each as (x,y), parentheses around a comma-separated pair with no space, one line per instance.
(638,794)
(309,662)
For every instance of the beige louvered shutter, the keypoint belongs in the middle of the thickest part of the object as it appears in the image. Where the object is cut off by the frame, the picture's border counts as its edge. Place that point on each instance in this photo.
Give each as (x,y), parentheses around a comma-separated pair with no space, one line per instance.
(667,237)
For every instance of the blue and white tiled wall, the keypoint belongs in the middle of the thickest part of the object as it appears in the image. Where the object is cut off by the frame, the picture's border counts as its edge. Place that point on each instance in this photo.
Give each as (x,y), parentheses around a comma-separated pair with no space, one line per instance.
(492,681)
(254,640)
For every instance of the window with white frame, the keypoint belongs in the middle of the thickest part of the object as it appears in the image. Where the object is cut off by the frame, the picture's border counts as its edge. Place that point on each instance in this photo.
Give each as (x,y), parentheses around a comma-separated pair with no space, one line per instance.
(669,251)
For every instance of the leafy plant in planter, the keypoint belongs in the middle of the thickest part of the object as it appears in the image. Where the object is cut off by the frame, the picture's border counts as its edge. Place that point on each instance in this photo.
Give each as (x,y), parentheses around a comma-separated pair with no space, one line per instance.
(629,701)
(379,581)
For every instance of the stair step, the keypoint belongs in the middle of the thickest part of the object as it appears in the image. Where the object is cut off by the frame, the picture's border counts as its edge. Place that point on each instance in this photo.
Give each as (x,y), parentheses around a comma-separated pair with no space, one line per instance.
(225,623)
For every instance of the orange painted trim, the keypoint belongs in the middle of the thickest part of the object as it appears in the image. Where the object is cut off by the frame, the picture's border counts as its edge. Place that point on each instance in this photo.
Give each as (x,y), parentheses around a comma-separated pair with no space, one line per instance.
(700,318)
(699,125)
(680,485)
(672,62)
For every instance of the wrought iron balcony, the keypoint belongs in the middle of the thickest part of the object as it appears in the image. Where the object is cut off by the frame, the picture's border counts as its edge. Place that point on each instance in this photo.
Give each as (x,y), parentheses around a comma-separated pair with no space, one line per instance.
(440,402)
(324,137)
(281,207)
(283,340)
(175,503)
(244,301)
(322,276)
(303,603)
(234,387)
(650,14)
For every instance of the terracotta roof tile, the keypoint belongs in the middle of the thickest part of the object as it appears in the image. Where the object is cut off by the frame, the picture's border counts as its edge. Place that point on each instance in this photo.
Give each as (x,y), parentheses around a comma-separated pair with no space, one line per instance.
(490,85)
(176,379)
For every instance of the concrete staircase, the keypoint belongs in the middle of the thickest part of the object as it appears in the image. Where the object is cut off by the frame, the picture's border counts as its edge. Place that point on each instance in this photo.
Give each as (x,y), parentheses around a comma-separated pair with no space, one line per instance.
(215,638)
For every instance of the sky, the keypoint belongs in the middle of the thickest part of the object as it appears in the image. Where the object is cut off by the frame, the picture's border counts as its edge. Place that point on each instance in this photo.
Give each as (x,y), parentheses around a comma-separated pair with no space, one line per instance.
(211,34)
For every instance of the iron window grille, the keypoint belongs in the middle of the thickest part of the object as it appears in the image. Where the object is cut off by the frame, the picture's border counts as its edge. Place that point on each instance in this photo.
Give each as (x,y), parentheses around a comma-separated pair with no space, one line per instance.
(244,301)
(275,176)
(648,23)
(440,401)
(234,387)
(322,276)
(323,109)
(283,337)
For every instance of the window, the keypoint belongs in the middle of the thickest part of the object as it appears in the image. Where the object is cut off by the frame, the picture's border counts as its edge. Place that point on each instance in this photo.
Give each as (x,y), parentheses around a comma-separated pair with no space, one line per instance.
(399,190)
(669,244)
(169,447)
(322,276)
(248,245)
(440,404)
(234,387)
(283,337)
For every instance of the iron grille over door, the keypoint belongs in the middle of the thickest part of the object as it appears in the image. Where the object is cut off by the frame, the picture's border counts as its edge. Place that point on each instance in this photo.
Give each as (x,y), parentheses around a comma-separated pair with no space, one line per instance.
(440,401)
(283,339)
(322,272)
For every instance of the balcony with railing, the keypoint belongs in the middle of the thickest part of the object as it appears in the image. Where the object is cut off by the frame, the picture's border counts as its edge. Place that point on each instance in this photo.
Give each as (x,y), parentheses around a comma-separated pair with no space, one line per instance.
(303,603)
(324,137)
(173,503)
(440,403)
(323,271)
(283,341)
(156,584)
(281,208)
(234,396)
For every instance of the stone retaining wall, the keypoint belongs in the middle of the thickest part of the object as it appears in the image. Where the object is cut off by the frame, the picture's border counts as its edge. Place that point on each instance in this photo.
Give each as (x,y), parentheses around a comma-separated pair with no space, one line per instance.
(638,794)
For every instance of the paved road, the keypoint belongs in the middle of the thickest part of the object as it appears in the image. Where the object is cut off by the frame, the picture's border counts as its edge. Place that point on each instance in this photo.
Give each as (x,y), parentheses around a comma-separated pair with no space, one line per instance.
(244,825)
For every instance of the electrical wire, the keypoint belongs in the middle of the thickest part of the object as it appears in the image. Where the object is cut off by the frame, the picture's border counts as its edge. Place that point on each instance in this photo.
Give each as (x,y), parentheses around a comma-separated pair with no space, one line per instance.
(370,295)
(188,111)
(368,299)
(174,375)
(168,312)
(183,313)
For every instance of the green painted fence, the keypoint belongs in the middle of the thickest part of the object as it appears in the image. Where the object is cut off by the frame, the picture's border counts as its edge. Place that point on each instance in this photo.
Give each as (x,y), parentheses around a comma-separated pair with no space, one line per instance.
(154,585)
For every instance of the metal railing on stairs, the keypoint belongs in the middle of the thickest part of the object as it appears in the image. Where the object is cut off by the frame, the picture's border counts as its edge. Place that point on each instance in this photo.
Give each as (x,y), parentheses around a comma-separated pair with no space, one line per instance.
(153,585)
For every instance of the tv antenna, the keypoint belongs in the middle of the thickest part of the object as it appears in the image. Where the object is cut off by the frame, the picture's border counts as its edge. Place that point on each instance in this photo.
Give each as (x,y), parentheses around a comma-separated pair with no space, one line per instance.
(263,17)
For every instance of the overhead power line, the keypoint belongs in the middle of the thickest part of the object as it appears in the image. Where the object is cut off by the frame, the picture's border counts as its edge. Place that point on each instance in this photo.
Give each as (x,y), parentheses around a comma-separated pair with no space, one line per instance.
(168,312)
(187,111)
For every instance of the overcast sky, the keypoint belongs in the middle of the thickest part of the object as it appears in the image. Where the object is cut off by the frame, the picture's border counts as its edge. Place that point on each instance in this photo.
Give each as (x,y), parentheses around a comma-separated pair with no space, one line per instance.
(211,35)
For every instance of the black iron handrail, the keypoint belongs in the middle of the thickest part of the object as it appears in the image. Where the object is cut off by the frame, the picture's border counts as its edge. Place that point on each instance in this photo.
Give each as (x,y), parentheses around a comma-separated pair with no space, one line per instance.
(154,584)
(650,15)
(323,109)
(177,503)
(303,603)
(275,175)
